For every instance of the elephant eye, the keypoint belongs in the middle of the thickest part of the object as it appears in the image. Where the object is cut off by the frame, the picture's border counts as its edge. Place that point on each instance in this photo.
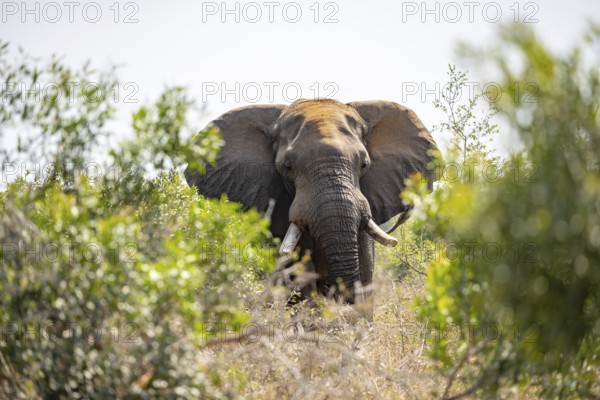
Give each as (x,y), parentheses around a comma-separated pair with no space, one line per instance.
(287,165)
(364,166)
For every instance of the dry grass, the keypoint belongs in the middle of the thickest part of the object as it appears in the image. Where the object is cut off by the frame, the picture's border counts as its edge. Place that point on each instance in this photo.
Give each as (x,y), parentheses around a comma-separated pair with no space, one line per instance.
(332,356)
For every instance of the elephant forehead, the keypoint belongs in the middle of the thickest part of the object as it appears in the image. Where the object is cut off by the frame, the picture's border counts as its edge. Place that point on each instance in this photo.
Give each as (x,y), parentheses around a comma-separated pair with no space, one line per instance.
(320,110)
(324,138)
(321,122)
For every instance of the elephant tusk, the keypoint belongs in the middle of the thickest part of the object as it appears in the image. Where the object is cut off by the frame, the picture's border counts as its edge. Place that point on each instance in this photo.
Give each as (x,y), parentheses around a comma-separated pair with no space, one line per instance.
(290,240)
(270,209)
(379,234)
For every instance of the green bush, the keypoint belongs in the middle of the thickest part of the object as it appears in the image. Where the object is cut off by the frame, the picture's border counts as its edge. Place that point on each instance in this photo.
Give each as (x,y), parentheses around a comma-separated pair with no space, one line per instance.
(517,297)
(110,285)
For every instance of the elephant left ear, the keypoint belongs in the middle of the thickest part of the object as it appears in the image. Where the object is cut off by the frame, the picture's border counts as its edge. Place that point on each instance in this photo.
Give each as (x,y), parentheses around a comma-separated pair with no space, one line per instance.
(399,145)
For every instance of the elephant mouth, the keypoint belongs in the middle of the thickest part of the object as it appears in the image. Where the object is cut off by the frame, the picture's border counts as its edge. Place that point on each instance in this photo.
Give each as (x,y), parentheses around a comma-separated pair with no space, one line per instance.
(292,236)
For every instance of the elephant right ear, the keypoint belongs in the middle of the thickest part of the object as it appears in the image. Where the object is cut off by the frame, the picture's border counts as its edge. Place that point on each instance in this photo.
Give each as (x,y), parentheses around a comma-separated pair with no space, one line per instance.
(245,165)
(399,145)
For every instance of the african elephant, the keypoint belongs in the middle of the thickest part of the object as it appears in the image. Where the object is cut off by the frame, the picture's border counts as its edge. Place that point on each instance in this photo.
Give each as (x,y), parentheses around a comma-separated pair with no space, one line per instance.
(335,172)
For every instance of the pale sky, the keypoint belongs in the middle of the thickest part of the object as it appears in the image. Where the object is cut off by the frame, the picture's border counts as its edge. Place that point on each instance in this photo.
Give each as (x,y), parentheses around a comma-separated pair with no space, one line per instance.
(388,50)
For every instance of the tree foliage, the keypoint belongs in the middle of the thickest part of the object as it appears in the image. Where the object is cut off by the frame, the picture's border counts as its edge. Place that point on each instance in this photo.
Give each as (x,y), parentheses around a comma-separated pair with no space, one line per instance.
(110,283)
(57,113)
(470,135)
(163,137)
(517,294)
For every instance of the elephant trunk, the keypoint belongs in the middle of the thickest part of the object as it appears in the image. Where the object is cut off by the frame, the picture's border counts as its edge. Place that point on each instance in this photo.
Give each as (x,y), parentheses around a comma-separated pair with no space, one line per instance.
(336,232)
(342,261)
(331,207)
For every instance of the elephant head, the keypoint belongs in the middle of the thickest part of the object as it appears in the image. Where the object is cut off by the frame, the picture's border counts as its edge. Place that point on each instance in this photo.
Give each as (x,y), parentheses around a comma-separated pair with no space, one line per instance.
(334,170)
